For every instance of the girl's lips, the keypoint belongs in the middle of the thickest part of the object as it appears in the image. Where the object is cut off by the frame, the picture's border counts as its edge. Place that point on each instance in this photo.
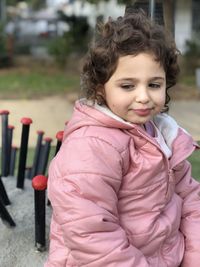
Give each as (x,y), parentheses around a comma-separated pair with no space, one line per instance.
(142,112)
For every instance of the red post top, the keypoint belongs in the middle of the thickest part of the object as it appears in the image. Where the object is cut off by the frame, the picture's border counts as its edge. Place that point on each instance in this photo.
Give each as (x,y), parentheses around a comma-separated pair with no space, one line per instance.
(39,182)
(11,127)
(59,135)
(48,139)
(26,121)
(4,112)
(40,132)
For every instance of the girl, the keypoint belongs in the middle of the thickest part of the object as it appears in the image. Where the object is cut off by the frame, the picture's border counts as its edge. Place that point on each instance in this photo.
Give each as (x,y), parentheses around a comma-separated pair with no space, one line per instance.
(120,186)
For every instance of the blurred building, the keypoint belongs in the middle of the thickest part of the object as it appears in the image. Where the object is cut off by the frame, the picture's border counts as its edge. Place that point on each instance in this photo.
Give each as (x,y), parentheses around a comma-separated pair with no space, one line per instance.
(29,26)
(187,21)
(185,17)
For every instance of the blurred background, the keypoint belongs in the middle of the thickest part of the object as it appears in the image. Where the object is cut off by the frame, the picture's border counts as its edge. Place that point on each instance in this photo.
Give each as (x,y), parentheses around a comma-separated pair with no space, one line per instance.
(42,43)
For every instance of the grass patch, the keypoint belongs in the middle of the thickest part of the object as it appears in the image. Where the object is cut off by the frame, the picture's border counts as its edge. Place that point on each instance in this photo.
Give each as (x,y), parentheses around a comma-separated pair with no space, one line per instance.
(195,161)
(188,80)
(32,83)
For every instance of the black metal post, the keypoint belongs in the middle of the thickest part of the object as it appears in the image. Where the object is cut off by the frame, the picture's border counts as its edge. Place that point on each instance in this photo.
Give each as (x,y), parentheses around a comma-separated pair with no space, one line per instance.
(3,193)
(10,137)
(39,183)
(59,137)
(44,156)
(23,151)
(28,172)
(13,160)
(34,169)
(4,148)
(5,216)
(152,9)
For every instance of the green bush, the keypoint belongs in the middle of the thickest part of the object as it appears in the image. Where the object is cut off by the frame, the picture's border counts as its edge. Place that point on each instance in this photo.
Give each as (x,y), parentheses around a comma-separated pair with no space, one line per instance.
(5,60)
(60,48)
(72,42)
(191,56)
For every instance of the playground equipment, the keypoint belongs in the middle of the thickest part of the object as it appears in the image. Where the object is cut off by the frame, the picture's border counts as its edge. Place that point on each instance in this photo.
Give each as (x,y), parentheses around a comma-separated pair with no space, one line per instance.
(37,172)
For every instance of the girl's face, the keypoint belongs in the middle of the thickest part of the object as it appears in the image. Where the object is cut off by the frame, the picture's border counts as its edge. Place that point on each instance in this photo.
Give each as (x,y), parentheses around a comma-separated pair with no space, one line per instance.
(137,89)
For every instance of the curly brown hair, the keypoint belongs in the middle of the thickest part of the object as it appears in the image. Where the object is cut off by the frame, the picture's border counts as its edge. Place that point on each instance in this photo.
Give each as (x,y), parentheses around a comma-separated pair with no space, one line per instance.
(131,34)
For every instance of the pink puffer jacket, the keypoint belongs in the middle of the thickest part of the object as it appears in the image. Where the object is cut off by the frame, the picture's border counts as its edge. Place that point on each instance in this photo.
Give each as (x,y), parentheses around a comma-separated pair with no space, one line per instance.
(117,200)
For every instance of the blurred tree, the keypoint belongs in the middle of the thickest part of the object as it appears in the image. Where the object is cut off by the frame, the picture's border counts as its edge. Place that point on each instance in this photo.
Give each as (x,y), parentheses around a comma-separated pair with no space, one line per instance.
(73,41)
(126,2)
(168,11)
(5,56)
(60,48)
(35,4)
(2,41)
(192,56)
(2,11)
(11,2)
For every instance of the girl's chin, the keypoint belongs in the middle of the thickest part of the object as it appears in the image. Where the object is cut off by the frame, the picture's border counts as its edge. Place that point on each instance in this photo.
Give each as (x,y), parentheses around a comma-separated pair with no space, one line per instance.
(141,120)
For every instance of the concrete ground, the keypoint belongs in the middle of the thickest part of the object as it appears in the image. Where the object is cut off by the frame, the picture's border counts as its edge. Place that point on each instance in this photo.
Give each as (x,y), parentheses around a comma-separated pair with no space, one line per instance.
(51,113)
(187,114)
(48,114)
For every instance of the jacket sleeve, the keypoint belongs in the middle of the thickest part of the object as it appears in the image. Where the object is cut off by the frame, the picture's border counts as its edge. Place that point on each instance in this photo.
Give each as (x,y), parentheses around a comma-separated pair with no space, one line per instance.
(189,190)
(84,200)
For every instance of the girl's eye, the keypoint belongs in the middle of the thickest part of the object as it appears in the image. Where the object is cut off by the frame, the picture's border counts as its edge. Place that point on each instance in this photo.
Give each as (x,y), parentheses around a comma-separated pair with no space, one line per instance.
(154,85)
(127,86)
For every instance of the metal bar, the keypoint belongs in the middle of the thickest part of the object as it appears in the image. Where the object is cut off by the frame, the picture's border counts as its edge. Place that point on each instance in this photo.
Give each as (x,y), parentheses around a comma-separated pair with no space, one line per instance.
(152,9)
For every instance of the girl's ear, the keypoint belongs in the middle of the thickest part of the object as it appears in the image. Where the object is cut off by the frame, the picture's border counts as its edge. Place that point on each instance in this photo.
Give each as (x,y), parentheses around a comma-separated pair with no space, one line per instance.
(100,95)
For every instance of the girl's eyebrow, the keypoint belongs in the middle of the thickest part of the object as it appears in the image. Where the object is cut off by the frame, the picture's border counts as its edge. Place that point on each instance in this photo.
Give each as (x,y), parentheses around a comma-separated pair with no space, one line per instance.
(135,79)
(127,79)
(158,78)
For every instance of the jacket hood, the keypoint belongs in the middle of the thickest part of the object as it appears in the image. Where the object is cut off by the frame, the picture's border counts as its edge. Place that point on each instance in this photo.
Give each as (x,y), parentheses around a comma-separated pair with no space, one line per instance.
(87,114)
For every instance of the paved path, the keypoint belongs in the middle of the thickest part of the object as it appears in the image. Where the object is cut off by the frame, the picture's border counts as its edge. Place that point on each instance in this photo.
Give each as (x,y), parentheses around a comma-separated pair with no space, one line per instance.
(17,245)
(187,114)
(50,114)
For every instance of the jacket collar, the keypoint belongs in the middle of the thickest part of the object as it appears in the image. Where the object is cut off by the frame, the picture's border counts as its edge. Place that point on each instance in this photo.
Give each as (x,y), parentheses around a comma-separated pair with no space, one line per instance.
(87,114)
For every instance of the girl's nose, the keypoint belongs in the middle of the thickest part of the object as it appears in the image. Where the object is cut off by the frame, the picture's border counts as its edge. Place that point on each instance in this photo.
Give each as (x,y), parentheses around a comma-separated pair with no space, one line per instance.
(142,95)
